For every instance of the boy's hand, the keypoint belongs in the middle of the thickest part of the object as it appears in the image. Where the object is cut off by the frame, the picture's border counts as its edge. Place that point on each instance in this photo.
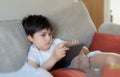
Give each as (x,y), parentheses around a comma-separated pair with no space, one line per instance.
(85,50)
(60,51)
(72,42)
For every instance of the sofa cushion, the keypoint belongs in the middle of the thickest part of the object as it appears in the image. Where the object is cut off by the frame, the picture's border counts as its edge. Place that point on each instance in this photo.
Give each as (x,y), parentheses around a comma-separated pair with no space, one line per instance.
(66,72)
(13,46)
(105,42)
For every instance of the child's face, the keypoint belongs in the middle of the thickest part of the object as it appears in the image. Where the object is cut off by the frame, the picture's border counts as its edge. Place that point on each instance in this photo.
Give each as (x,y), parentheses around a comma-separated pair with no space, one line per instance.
(42,39)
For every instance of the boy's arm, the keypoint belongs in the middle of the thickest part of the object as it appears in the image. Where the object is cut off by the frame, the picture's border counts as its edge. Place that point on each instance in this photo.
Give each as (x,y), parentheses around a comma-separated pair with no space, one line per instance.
(59,53)
(33,64)
(47,65)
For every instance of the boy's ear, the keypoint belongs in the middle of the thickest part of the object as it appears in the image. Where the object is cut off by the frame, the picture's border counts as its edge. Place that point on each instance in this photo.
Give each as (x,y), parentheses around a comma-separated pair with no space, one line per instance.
(30,38)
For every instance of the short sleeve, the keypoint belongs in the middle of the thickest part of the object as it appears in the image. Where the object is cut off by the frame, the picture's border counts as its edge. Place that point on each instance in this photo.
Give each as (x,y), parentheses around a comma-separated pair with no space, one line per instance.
(33,56)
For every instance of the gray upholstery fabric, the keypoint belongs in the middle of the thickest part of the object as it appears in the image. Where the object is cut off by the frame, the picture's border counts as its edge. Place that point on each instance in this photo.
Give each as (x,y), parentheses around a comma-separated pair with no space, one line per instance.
(13,46)
(27,71)
(74,22)
(110,28)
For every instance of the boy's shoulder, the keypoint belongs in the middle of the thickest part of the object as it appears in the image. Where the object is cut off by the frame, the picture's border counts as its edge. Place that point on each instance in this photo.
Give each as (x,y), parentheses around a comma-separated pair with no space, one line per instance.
(33,49)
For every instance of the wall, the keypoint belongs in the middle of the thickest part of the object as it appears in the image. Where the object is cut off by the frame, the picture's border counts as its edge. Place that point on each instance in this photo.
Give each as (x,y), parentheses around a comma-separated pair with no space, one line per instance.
(96,10)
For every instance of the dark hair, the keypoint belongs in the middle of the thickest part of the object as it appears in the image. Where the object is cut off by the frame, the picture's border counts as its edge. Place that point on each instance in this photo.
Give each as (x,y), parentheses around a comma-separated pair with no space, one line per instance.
(35,23)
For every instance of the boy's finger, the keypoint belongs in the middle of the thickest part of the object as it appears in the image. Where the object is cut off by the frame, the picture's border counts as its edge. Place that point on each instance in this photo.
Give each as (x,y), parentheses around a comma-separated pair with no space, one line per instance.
(60,45)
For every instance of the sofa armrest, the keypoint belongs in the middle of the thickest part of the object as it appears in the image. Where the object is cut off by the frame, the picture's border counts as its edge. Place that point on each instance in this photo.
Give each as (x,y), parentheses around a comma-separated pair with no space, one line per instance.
(110,28)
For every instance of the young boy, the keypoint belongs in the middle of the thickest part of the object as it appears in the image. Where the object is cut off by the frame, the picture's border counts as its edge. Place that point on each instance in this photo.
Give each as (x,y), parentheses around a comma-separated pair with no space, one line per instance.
(44,51)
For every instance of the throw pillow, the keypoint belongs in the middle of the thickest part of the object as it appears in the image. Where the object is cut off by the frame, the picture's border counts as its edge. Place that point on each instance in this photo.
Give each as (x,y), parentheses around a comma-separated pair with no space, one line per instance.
(105,42)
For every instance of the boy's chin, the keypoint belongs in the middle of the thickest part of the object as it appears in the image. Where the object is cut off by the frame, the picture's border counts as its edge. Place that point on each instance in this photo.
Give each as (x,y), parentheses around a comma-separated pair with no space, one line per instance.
(47,48)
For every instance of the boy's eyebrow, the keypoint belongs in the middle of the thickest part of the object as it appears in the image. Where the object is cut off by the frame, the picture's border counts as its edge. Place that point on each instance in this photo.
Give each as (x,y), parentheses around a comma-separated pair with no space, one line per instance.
(42,32)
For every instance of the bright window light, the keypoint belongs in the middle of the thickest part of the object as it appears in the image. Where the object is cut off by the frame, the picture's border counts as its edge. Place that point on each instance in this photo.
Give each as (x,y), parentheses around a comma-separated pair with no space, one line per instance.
(115,11)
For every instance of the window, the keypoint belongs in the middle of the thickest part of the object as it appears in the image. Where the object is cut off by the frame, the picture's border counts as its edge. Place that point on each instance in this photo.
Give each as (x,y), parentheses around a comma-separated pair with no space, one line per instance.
(115,11)
(112,11)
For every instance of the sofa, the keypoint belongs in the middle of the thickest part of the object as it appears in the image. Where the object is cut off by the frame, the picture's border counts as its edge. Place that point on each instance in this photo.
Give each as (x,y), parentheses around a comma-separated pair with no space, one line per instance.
(71,22)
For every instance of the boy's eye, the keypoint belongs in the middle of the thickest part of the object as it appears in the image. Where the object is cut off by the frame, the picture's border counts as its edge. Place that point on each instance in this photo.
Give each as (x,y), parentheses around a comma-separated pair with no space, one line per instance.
(50,34)
(43,35)
(46,34)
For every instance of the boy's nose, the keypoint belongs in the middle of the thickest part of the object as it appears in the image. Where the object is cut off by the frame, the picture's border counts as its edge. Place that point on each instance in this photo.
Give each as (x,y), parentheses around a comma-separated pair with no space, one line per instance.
(48,37)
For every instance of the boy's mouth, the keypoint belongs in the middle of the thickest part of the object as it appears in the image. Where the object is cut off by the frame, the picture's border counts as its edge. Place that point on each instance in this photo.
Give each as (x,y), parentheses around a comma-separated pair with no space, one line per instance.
(48,44)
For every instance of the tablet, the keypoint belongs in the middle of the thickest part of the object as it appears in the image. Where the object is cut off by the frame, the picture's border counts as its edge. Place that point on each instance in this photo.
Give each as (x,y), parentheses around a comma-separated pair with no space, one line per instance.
(73,51)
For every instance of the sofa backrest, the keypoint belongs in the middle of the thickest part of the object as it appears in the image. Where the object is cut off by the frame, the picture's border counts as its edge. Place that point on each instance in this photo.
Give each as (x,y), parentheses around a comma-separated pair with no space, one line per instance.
(13,46)
(72,22)
(110,28)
